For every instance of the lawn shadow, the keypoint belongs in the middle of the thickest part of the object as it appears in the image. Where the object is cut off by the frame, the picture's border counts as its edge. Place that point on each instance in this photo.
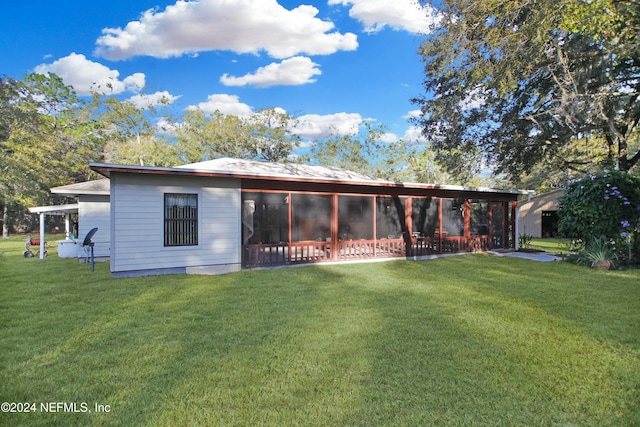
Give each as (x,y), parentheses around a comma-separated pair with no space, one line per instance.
(455,352)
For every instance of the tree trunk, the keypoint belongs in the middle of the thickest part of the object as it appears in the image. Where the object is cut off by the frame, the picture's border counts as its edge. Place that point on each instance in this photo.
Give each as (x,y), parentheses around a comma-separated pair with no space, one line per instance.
(5,222)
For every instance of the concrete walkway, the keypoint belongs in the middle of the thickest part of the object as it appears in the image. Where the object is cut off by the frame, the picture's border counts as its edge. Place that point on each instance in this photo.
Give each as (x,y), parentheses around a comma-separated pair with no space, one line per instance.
(533,256)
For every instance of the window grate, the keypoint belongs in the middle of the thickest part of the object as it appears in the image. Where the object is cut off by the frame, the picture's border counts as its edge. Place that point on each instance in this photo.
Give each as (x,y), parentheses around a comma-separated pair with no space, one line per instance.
(180,219)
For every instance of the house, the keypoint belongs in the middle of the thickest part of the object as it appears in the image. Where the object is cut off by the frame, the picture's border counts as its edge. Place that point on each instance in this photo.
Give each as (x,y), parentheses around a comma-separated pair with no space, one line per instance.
(538,217)
(227,214)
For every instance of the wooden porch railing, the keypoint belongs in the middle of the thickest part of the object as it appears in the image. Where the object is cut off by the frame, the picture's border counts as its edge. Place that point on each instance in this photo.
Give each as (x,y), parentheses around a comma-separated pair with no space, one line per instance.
(265,255)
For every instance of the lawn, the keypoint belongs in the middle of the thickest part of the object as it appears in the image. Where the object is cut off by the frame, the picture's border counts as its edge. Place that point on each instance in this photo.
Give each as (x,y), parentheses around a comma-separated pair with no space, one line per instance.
(551,245)
(471,340)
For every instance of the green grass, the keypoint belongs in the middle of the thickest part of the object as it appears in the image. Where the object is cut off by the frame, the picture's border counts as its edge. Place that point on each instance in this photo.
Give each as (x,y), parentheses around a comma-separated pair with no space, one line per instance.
(551,245)
(472,340)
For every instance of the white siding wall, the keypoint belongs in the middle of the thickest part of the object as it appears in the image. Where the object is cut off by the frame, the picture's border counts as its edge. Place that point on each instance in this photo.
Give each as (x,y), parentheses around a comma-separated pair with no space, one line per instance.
(137,212)
(93,211)
(530,213)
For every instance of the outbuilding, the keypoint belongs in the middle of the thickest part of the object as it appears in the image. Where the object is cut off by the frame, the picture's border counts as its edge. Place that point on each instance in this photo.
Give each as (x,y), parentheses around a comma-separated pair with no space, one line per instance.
(538,216)
(227,214)
(92,210)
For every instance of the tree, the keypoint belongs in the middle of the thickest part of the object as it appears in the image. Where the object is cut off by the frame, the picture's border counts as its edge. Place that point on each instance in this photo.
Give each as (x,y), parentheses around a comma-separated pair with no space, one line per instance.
(201,137)
(604,205)
(261,136)
(367,154)
(48,137)
(271,139)
(31,141)
(132,137)
(514,83)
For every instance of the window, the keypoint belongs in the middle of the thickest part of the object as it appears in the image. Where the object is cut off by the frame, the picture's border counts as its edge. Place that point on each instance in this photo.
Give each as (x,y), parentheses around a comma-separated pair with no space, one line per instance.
(180,219)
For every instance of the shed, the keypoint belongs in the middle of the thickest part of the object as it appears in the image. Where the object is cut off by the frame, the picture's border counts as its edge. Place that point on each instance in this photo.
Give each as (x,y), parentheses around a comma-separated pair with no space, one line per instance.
(538,217)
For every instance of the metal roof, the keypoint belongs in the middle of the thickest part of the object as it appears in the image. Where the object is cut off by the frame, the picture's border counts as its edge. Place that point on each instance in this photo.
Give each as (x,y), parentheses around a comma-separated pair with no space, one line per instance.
(95,187)
(286,172)
(273,169)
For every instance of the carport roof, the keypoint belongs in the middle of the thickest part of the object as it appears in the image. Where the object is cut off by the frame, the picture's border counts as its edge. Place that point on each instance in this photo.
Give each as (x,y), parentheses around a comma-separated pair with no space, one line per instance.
(55,209)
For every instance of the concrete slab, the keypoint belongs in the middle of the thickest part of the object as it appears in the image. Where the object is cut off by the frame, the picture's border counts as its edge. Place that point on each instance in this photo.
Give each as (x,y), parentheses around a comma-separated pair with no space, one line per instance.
(533,256)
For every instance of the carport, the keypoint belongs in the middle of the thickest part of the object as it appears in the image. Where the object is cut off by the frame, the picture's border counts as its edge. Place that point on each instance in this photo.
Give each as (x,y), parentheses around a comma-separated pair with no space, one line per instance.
(59,210)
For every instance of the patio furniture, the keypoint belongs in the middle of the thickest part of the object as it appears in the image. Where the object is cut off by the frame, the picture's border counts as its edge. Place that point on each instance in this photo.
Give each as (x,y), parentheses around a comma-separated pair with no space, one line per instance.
(32,241)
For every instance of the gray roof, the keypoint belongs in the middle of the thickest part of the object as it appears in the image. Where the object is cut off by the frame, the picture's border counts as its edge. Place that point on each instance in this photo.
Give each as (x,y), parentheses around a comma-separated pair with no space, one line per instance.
(96,187)
(272,169)
(293,172)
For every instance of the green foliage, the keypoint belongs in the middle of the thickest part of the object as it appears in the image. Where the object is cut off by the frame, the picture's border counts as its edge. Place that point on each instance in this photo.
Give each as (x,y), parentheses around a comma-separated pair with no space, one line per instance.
(132,136)
(606,204)
(43,140)
(368,154)
(262,136)
(270,137)
(524,240)
(598,250)
(516,84)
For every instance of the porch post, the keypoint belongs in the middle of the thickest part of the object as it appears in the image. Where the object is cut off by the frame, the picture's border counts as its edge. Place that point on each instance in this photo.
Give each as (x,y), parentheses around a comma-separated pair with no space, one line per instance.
(67,225)
(505,224)
(440,225)
(290,221)
(375,226)
(467,219)
(41,235)
(335,225)
(408,223)
(491,223)
(513,223)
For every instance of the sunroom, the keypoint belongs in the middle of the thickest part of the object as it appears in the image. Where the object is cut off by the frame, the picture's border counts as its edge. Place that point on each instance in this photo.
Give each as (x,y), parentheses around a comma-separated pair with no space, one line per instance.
(348,221)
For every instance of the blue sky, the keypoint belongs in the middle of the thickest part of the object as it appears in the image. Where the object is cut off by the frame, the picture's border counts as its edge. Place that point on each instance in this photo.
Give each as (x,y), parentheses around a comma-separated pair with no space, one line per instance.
(332,63)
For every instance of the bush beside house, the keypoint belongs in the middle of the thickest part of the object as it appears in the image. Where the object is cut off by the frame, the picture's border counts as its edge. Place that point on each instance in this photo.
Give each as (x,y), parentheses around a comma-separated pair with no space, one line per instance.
(604,206)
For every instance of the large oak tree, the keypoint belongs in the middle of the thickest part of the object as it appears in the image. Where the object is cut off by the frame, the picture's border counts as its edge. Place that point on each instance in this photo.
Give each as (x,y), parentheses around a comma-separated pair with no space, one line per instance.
(517,83)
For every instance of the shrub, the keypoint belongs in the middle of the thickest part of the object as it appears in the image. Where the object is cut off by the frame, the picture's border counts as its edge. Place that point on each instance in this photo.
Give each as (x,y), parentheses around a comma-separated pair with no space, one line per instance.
(606,204)
(599,252)
(524,240)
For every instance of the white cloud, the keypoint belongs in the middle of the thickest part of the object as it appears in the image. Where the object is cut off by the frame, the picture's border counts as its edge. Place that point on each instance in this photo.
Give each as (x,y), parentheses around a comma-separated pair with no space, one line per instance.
(406,15)
(413,135)
(388,137)
(314,126)
(87,76)
(165,126)
(474,99)
(226,104)
(413,114)
(294,71)
(144,101)
(243,26)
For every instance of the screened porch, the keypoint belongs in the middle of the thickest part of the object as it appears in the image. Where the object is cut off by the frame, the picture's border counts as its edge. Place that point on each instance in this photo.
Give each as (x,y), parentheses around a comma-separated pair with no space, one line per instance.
(284,228)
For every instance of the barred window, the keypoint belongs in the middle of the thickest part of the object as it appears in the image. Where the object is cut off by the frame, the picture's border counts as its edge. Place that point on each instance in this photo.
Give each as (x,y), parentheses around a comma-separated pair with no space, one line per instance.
(180,219)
